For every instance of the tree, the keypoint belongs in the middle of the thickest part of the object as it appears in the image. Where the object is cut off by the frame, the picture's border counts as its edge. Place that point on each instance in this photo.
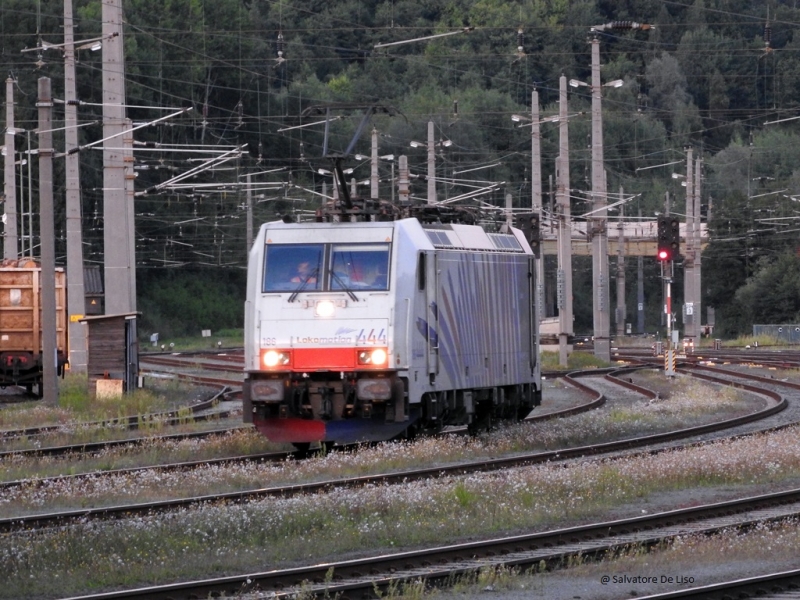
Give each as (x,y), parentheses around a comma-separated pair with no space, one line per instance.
(772,295)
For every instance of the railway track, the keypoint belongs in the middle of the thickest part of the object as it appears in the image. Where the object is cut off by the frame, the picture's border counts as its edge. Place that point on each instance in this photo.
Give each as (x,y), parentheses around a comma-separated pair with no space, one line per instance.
(776,404)
(189,369)
(195,367)
(594,401)
(363,577)
(203,410)
(240,584)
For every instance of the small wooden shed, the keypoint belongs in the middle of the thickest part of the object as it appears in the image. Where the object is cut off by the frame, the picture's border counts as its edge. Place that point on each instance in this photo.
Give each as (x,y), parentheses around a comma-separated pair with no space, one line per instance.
(113,350)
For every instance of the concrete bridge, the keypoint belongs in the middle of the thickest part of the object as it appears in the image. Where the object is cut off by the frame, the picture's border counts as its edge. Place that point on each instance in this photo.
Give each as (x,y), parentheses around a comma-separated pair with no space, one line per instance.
(639,238)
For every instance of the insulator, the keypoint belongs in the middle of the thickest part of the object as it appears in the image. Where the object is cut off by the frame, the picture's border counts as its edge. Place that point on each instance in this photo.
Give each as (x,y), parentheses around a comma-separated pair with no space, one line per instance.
(279,45)
(623,25)
(520,40)
(601,291)
(240,113)
(455,108)
(767,33)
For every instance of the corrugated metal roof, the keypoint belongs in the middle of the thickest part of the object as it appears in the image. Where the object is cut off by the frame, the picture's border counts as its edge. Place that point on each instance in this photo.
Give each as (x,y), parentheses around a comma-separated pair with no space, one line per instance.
(93,281)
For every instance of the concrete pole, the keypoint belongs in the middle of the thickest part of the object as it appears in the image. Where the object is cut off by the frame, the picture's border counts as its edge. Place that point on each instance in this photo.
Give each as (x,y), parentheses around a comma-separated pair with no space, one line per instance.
(640,289)
(509,211)
(600,297)
(698,292)
(129,175)
(431,165)
(536,197)
(47,240)
(621,306)
(373,177)
(403,181)
(249,232)
(11,241)
(76,296)
(30,196)
(550,293)
(118,228)
(688,261)
(564,283)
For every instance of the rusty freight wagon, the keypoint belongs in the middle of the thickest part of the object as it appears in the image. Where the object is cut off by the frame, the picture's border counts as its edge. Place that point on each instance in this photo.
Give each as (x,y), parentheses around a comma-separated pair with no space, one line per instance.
(21,324)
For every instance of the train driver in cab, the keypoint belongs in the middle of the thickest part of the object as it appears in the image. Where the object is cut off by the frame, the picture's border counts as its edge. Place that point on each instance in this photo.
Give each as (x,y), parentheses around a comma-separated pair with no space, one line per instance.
(303,273)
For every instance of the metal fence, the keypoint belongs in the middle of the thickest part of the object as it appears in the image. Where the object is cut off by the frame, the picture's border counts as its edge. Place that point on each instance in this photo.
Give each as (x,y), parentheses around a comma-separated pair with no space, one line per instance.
(787,333)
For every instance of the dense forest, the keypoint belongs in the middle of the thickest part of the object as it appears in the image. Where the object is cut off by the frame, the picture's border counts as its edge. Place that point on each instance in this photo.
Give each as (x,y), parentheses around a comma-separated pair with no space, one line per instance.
(719,76)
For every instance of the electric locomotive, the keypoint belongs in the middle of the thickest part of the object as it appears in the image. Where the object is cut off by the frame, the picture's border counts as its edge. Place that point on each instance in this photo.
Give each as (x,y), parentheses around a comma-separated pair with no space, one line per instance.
(361,331)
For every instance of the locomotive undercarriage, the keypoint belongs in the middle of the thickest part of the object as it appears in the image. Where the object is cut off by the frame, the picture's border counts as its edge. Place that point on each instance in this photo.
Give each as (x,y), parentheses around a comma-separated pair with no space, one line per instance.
(326,397)
(478,409)
(333,398)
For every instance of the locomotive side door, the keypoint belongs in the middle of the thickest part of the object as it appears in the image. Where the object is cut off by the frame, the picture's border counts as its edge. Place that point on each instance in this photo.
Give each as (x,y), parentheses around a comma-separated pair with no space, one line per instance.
(429,282)
(533,313)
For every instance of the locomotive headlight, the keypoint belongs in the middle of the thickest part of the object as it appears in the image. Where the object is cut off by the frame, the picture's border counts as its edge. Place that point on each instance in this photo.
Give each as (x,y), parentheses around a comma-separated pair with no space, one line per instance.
(324,308)
(274,358)
(379,356)
(376,357)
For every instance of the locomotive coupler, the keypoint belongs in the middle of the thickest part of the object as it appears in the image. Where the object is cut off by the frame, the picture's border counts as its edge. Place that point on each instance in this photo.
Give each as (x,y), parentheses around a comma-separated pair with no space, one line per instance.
(326,394)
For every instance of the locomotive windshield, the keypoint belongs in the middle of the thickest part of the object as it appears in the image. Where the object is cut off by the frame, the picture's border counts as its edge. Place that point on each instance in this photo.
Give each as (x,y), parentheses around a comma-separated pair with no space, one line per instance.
(303,267)
(359,266)
(293,266)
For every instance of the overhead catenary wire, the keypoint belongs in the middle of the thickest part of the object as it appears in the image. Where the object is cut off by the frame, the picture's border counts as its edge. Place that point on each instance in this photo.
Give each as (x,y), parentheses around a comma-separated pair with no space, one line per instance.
(440,179)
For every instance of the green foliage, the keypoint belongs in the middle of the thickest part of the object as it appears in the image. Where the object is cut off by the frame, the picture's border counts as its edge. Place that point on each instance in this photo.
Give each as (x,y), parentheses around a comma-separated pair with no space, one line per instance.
(184,303)
(575,360)
(772,295)
(464,496)
(701,77)
(73,393)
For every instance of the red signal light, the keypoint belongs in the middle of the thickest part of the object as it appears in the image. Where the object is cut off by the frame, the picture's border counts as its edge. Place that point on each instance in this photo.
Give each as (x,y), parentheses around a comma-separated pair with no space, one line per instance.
(668,239)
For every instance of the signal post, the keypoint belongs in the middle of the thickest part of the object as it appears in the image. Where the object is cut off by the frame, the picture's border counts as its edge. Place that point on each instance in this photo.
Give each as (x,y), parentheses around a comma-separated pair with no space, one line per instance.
(669,244)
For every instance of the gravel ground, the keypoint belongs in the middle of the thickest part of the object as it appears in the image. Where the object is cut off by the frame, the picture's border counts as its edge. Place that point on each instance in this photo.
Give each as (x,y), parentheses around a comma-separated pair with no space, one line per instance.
(629,579)
(585,582)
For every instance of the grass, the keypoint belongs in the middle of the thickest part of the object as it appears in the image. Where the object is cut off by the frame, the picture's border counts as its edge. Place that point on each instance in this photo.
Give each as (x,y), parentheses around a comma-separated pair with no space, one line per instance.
(680,410)
(576,360)
(218,539)
(77,406)
(686,562)
(225,338)
(753,341)
(154,451)
(82,418)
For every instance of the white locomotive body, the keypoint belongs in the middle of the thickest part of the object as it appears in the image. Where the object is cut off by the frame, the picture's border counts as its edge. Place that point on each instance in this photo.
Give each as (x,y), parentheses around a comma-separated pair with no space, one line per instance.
(365,331)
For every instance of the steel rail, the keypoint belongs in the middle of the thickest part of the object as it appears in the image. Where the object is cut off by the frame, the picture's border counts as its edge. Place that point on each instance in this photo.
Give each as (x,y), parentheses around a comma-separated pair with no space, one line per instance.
(553,548)
(132,422)
(124,511)
(775,586)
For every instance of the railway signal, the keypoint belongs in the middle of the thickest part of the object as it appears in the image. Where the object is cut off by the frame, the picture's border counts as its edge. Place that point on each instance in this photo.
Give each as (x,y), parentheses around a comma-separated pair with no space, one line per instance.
(669,241)
(530,224)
